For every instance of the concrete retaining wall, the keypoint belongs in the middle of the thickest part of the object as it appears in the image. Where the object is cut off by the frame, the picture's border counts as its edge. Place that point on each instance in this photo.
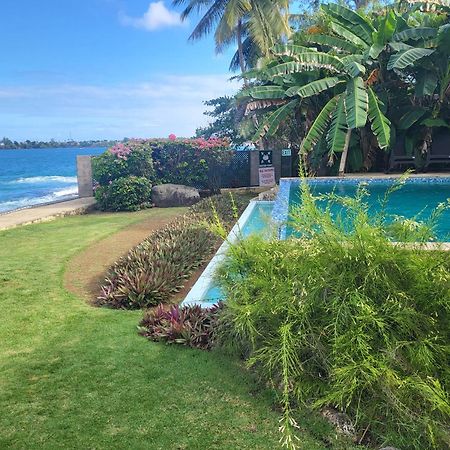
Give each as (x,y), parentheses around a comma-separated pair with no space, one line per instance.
(84,174)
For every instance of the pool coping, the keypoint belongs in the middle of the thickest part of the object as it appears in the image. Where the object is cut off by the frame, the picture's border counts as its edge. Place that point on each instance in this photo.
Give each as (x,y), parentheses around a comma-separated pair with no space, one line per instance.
(206,279)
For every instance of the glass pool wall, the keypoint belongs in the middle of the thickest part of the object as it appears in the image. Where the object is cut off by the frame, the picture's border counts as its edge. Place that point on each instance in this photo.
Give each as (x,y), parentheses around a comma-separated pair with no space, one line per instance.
(256,219)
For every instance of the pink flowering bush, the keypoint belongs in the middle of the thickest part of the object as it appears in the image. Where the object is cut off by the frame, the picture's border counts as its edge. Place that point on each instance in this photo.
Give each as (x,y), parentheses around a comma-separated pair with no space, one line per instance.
(124,160)
(194,162)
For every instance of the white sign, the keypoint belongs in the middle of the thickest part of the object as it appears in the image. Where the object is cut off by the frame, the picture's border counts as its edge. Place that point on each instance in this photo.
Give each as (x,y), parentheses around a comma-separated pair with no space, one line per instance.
(266,176)
(286,152)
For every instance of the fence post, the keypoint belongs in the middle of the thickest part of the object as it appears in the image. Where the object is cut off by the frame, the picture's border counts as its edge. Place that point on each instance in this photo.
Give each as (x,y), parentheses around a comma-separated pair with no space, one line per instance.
(84,176)
(276,161)
(254,168)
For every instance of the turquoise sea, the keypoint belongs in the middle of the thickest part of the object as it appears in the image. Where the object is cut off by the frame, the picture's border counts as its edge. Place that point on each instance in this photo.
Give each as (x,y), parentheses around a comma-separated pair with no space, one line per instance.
(35,176)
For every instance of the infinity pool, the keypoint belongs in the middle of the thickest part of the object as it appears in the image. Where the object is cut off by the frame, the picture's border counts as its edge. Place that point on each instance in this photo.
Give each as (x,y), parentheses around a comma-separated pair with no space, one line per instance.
(416,199)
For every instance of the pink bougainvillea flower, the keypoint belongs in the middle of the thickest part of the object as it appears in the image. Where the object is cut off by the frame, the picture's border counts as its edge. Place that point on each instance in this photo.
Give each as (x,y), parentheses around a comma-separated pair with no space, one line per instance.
(172,137)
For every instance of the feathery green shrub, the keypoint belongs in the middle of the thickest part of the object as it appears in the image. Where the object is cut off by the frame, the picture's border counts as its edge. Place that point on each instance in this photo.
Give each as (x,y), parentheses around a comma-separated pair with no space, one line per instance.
(342,317)
(157,268)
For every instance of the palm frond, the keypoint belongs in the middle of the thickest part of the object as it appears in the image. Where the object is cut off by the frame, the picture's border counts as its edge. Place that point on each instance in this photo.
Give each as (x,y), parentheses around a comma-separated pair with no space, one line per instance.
(272,122)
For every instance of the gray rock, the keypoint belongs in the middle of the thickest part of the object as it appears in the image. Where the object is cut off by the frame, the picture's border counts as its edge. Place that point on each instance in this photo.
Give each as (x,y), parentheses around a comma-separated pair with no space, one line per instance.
(270,195)
(340,421)
(167,195)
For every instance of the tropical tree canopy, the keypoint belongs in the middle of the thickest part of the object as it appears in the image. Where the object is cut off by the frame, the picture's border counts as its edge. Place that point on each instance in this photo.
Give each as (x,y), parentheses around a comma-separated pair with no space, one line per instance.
(354,73)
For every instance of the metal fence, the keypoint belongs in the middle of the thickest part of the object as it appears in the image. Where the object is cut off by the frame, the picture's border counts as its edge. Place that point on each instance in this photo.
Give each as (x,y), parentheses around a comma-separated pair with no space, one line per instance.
(237,172)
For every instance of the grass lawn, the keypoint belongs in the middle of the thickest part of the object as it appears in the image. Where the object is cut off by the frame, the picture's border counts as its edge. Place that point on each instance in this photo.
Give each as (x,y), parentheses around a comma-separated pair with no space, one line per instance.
(74,376)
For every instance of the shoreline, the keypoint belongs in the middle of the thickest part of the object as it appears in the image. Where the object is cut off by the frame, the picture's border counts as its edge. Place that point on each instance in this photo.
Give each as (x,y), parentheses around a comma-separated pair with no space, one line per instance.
(37,205)
(46,212)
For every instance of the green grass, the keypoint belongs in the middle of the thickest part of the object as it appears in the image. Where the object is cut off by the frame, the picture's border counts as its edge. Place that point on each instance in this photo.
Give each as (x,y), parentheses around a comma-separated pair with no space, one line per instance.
(74,376)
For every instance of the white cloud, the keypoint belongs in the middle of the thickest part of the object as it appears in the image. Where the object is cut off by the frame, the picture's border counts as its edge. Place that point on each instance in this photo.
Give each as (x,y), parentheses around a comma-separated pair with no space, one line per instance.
(157,16)
(155,107)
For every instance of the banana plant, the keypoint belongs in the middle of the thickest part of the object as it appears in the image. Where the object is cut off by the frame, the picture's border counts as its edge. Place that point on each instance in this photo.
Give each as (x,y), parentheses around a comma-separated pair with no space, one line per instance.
(421,53)
(340,73)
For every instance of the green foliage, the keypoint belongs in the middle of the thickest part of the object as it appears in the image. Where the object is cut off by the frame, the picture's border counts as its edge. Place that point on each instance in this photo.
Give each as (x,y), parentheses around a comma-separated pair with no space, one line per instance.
(193,162)
(356,103)
(408,57)
(157,268)
(380,123)
(224,120)
(123,160)
(192,326)
(340,316)
(124,194)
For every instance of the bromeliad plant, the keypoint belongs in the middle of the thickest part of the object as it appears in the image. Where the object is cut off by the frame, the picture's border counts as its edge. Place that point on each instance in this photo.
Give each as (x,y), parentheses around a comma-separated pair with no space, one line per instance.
(156,269)
(192,326)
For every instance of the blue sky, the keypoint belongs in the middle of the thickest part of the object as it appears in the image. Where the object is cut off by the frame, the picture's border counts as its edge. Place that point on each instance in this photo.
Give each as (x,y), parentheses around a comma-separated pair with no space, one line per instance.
(103,69)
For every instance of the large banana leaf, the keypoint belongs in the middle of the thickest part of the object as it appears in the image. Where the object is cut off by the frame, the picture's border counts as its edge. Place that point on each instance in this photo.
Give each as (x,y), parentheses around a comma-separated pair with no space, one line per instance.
(272,122)
(319,126)
(410,118)
(356,103)
(307,61)
(384,34)
(415,34)
(380,124)
(354,69)
(407,58)
(426,83)
(313,88)
(333,42)
(399,46)
(346,16)
(290,49)
(348,35)
(352,58)
(265,92)
(338,129)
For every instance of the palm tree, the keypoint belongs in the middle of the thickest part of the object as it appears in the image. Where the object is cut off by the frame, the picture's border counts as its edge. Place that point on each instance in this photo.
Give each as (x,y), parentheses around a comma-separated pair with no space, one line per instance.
(254,25)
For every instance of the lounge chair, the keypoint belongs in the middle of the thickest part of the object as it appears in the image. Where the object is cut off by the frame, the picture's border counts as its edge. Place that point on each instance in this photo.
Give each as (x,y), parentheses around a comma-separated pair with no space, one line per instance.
(440,149)
(398,156)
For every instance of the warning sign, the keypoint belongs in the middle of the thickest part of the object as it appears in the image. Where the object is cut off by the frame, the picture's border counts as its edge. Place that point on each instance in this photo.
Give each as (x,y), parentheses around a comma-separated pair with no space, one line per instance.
(266,176)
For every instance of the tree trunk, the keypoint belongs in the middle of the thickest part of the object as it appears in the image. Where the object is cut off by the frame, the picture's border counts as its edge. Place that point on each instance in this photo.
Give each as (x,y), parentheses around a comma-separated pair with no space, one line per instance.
(240,49)
(345,153)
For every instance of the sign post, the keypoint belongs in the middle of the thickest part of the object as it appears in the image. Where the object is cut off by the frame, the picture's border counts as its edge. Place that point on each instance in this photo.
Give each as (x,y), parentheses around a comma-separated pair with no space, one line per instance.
(266,176)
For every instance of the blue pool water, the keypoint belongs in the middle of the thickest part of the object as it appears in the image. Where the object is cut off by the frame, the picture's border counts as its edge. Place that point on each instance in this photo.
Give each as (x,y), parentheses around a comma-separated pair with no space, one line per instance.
(414,199)
(35,176)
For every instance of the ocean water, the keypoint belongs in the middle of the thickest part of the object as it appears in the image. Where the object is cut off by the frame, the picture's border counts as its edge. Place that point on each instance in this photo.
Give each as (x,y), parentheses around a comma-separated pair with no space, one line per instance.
(35,176)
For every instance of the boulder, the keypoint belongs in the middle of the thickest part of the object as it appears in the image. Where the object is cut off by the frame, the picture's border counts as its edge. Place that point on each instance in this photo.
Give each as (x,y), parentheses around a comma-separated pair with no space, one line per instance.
(167,195)
(270,195)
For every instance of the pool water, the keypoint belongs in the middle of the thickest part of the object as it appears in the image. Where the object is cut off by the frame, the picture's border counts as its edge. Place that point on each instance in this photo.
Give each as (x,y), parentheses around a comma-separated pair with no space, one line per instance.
(413,200)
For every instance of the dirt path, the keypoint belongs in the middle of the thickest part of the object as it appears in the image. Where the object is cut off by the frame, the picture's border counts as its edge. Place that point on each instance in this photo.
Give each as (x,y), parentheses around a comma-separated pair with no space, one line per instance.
(86,271)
